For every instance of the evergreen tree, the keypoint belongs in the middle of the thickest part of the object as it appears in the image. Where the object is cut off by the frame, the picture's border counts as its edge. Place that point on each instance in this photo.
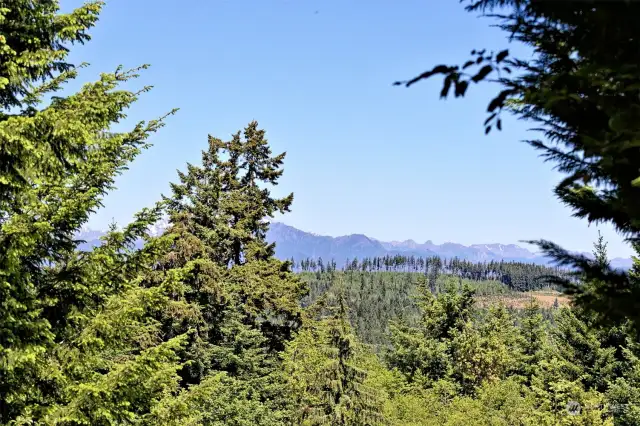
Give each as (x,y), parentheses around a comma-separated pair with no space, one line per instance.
(324,366)
(218,214)
(244,303)
(560,400)
(202,325)
(623,393)
(585,98)
(223,200)
(486,351)
(533,340)
(600,251)
(58,161)
(423,353)
(576,343)
(34,48)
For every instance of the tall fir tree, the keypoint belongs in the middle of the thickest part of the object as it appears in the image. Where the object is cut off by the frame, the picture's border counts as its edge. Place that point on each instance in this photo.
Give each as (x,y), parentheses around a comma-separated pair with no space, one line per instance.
(219,214)
(34,47)
(423,353)
(326,370)
(223,200)
(58,161)
(533,336)
(584,98)
(245,302)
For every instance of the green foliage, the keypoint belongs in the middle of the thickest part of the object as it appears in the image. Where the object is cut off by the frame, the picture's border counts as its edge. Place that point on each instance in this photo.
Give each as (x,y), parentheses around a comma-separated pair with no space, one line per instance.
(449,345)
(624,392)
(449,358)
(34,46)
(533,339)
(485,365)
(218,400)
(223,201)
(249,301)
(518,276)
(58,161)
(327,383)
(584,96)
(377,297)
(118,335)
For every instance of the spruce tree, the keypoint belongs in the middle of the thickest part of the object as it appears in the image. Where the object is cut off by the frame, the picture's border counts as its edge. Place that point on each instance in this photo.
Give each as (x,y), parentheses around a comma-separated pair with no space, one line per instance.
(58,161)
(326,371)
(219,214)
(623,394)
(600,251)
(238,304)
(533,338)
(423,352)
(484,351)
(190,335)
(576,342)
(223,201)
(34,47)
(584,98)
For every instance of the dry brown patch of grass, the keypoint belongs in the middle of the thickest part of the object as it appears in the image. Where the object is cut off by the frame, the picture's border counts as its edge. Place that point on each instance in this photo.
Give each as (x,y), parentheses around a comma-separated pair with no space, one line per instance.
(546,299)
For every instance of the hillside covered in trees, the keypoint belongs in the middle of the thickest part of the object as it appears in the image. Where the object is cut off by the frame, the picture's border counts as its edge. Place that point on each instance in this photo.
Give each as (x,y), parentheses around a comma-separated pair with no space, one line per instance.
(203,325)
(517,276)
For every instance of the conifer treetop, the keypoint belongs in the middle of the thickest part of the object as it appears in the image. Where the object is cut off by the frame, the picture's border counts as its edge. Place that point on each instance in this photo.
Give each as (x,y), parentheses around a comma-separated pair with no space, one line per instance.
(227,200)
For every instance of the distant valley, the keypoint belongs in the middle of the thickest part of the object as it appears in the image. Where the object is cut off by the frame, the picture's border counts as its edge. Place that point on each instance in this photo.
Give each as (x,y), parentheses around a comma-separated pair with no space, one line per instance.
(294,243)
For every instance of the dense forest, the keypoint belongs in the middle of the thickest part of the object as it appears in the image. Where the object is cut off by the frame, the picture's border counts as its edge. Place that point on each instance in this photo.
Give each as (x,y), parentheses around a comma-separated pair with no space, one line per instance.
(376,298)
(204,326)
(515,275)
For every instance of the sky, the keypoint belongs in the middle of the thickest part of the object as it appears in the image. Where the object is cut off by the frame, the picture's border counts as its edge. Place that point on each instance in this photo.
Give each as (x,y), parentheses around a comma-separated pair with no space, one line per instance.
(363,156)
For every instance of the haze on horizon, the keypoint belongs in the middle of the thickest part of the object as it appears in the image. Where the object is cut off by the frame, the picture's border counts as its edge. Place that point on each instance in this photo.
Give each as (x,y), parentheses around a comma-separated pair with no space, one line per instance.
(363,156)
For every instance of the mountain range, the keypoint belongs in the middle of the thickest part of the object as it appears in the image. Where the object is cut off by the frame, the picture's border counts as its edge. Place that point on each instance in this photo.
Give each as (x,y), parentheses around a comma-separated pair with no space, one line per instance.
(297,244)
(294,243)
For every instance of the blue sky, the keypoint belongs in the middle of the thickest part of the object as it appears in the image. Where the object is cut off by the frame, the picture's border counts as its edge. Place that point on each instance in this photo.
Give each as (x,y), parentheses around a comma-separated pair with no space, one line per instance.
(362,156)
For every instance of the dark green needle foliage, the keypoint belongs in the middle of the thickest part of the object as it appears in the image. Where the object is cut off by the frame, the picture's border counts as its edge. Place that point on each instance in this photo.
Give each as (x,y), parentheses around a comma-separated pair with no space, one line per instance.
(581,88)
(58,160)
(326,370)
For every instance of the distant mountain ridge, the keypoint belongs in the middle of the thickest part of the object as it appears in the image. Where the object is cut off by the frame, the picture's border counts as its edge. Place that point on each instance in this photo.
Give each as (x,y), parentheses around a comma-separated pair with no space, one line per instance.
(297,244)
(294,243)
